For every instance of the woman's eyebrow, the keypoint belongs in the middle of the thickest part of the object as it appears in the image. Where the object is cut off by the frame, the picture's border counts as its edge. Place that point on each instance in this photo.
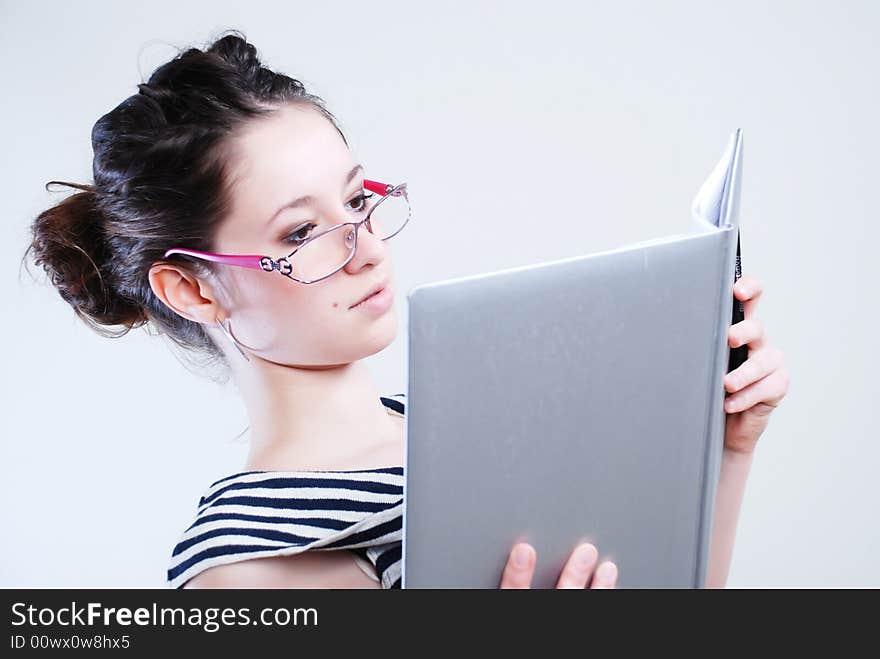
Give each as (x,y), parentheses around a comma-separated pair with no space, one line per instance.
(309,199)
(350,175)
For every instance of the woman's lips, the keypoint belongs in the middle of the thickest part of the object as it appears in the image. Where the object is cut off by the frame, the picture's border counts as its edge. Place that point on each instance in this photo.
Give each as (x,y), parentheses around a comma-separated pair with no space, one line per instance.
(380,301)
(377,290)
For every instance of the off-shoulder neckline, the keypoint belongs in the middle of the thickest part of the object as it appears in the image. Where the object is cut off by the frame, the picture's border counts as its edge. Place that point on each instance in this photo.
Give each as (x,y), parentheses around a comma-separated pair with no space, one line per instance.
(396,469)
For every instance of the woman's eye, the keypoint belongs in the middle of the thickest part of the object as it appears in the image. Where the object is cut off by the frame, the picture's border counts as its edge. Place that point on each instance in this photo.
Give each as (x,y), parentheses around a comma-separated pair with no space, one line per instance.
(359,205)
(360,201)
(300,235)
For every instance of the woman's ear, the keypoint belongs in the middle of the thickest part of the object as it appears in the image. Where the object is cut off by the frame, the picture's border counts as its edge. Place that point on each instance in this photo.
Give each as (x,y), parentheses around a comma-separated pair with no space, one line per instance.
(187,295)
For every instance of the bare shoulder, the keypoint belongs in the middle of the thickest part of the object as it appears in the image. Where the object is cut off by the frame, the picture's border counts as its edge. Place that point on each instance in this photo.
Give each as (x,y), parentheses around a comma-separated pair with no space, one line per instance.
(310,569)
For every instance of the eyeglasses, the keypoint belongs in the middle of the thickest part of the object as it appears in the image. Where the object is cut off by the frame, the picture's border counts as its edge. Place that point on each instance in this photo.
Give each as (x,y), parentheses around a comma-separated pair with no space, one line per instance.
(323,254)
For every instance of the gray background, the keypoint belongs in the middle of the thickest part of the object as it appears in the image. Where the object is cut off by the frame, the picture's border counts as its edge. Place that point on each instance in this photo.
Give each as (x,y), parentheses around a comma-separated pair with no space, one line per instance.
(527,132)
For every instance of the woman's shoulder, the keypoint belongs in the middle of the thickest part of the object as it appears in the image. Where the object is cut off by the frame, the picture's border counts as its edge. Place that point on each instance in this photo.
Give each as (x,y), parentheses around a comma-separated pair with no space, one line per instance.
(259,514)
(262,514)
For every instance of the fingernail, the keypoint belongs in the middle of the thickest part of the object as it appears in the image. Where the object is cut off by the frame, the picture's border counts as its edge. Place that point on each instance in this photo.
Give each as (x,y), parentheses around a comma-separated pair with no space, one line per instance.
(521,556)
(609,571)
(586,555)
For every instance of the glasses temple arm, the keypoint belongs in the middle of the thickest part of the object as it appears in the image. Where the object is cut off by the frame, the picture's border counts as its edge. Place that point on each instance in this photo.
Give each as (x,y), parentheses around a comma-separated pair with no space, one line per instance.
(377,187)
(253,261)
(244,261)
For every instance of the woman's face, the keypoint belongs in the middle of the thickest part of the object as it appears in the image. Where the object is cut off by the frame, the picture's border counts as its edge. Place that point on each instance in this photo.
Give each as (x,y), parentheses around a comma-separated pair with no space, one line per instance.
(292,153)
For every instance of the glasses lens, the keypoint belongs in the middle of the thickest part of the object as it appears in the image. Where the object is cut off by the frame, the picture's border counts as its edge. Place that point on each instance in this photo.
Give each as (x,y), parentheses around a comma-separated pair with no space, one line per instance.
(390,214)
(323,256)
(320,257)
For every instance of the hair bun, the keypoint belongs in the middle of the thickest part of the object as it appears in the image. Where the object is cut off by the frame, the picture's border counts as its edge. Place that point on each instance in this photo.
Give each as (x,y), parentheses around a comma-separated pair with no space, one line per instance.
(68,242)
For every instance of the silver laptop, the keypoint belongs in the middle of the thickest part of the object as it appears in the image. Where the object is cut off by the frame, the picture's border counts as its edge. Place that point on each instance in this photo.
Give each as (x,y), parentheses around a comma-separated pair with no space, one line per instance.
(570,401)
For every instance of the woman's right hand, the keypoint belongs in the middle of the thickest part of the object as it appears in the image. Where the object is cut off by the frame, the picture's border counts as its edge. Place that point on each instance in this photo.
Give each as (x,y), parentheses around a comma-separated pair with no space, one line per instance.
(577,573)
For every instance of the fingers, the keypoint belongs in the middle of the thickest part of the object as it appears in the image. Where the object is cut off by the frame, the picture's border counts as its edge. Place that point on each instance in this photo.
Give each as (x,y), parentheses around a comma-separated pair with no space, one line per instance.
(520,567)
(748,289)
(749,331)
(759,364)
(606,576)
(577,573)
(768,391)
(579,568)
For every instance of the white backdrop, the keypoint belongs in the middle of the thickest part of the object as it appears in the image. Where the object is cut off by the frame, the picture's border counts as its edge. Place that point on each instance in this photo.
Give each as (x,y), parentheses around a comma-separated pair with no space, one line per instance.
(536,132)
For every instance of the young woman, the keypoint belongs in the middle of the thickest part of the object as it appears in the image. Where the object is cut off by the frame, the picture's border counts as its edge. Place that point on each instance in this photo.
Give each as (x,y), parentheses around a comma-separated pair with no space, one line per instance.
(227,212)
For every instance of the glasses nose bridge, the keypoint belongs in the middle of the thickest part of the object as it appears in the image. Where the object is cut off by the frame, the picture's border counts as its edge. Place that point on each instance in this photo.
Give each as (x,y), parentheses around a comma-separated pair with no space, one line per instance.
(363,223)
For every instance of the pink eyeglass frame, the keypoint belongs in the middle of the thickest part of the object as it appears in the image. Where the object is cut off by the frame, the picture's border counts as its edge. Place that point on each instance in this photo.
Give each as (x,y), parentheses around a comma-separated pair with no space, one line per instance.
(282,265)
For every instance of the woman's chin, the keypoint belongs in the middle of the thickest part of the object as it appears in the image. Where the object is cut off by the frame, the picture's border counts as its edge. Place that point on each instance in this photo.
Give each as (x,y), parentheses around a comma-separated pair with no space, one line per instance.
(380,335)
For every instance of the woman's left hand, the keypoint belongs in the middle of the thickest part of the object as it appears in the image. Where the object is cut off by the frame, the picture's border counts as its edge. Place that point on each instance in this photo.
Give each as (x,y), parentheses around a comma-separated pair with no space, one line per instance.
(759,384)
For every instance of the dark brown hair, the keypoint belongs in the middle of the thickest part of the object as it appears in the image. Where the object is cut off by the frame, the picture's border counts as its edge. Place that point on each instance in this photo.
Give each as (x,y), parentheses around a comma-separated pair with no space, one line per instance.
(161,179)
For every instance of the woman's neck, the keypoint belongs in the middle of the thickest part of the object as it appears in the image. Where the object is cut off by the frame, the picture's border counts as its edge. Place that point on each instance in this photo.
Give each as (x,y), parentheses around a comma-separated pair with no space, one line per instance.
(317,419)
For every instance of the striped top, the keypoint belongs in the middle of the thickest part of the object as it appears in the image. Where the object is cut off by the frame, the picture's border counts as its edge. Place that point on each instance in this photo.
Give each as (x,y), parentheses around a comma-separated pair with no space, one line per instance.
(254,514)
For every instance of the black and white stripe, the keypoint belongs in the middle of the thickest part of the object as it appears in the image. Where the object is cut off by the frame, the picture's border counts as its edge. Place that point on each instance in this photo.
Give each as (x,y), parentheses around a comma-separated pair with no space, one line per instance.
(254,514)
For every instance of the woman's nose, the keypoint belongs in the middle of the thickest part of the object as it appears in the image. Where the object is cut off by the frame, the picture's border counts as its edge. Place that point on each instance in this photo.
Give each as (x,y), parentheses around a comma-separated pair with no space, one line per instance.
(369,248)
